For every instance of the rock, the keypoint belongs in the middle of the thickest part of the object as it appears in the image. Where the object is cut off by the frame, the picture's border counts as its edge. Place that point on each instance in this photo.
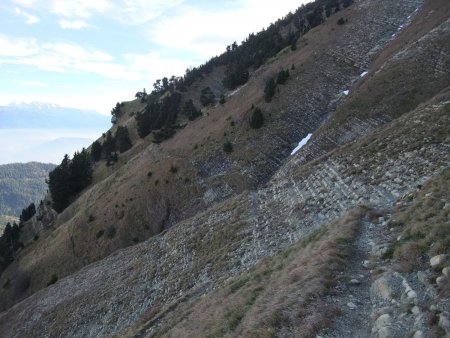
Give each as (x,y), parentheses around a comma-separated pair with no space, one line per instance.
(355,281)
(351,305)
(418,334)
(385,287)
(444,323)
(437,260)
(385,332)
(366,264)
(411,294)
(440,281)
(383,320)
(422,277)
(415,310)
(446,271)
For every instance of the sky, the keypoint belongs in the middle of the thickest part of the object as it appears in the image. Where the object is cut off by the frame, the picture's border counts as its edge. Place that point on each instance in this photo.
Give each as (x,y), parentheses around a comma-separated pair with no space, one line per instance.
(90,54)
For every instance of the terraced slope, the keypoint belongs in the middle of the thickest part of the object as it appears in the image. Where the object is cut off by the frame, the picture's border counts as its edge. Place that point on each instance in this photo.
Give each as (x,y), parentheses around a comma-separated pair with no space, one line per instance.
(144,283)
(140,196)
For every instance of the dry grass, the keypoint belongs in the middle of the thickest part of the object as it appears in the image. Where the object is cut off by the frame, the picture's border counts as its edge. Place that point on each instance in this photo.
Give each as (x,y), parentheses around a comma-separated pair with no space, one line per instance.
(281,296)
(425,223)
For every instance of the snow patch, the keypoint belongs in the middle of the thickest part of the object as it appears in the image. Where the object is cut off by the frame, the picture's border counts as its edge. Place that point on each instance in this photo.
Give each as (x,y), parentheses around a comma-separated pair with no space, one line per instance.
(301,144)
(346,92)
(364,73)
(236,91)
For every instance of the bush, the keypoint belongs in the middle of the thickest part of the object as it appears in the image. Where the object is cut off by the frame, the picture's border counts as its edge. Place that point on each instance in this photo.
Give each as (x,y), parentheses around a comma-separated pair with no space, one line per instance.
(341,21)
(269,90)
(190,110)
(222,99)
(52,280)
(110,231)
(173,169)
(257,119)
(207,97)
(99,234)
(22,282)
(227,147)
(282,77)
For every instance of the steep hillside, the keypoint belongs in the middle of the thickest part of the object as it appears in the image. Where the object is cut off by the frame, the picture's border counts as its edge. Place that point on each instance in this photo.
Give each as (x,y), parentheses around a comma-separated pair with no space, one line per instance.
(22,184)
(141,195)
(253,241)
(155,287)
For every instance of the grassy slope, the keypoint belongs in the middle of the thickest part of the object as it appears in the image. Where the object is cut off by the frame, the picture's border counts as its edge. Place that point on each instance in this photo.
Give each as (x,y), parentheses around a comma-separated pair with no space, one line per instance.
(282,291)
(137,206)
(386,95)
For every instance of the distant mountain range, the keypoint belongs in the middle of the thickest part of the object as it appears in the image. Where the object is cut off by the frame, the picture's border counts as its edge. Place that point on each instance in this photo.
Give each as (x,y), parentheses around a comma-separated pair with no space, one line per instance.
(44,132)
(49,116)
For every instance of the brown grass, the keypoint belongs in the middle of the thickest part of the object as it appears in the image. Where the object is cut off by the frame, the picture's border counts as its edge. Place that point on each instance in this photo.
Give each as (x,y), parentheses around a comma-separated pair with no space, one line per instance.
(425,224)
(281,296)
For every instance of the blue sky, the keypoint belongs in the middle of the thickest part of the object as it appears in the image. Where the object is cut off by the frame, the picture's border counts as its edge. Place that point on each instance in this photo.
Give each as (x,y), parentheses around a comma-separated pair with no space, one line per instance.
(92,53)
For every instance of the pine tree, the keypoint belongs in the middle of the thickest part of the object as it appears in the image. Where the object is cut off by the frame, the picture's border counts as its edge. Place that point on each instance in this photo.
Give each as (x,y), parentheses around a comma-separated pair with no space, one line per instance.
(257,119)
(96,151)
(269,90)
(122,137)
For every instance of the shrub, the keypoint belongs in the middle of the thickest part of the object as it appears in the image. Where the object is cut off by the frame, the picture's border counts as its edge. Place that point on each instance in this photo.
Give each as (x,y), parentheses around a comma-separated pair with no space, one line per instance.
(52,280)
(282,77)
(110,231)
(7,284)
(227,147)
(257,119)
(341,21)
(22,282)
(173,169)
(99,234)
(222,99)
(207,97)
(190,110)
(269,90)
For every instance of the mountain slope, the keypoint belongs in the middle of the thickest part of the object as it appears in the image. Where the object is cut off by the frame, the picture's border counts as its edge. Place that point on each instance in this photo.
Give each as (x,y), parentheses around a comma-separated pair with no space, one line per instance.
(136,206)
(227,226)
(149,280)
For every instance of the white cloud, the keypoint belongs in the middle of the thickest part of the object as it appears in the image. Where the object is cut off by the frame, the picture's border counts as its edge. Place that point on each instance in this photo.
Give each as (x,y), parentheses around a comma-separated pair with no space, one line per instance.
(207,32)
(79,8)
(138,12)
(72,24)
(21,47)
(31,83)
(29,19)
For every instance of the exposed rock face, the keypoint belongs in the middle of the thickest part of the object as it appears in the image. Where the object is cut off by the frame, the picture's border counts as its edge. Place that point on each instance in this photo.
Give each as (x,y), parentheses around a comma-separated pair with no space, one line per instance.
(134,290)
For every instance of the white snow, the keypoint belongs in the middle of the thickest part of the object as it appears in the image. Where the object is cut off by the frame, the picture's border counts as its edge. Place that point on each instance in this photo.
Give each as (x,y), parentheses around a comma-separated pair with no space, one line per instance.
(301,144)
(364,73)
(236,91)
(346,92)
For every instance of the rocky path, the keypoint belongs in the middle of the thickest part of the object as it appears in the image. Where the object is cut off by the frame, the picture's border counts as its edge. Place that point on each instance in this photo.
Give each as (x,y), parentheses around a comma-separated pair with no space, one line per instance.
(352,293)
(376,300)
